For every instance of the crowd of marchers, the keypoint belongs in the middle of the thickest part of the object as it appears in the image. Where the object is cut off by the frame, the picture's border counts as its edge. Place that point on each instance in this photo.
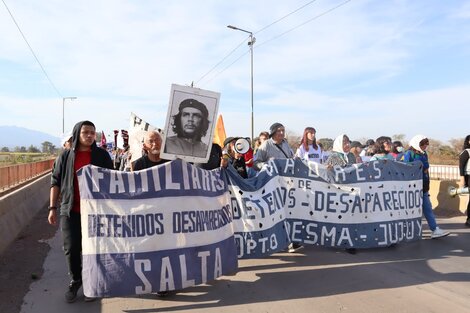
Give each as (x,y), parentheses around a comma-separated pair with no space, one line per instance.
(80,149)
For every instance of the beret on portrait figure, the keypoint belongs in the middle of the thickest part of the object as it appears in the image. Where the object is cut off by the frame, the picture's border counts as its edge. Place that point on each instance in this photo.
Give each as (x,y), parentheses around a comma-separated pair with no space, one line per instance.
(194,104)
(273,128)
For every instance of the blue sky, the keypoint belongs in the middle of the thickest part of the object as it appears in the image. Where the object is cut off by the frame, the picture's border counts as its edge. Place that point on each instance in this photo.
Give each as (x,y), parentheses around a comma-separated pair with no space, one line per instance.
(366,68)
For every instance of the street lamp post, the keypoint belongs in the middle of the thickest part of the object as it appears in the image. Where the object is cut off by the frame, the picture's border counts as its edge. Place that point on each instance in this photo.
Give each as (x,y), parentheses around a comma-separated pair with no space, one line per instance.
(250,43)
(63,111)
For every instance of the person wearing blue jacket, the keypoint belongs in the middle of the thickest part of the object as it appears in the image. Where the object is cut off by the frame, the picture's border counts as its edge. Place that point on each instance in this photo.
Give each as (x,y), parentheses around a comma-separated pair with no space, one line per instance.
(417,152)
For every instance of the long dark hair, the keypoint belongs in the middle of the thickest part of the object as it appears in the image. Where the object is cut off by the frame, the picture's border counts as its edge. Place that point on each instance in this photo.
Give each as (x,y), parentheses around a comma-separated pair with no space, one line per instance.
(466,144)
(379,144)
(304,141)
(396,144)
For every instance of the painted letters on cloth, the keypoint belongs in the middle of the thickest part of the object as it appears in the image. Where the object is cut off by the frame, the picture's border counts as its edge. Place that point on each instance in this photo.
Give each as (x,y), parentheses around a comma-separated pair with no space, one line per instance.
(175,225)
(165,228)
(363,206)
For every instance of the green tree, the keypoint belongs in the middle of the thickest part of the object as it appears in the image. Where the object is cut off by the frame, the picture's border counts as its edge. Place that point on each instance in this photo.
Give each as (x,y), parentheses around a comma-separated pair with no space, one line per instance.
(440,153)
(447,151)
(398,137)
(401,138)
(434,147)
(33,149)
(47,147)
(327,143)
(5,149)
(457,144)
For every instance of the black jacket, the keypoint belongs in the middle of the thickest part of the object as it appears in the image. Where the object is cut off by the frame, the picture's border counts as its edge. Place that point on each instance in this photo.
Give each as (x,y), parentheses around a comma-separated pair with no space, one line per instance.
(62,173)
(214,158)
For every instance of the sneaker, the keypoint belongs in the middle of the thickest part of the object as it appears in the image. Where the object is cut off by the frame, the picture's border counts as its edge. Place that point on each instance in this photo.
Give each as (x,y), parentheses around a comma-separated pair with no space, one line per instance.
(71,294)
(294,247)
(163,293)
(351,250)
(438,233)
(89,299)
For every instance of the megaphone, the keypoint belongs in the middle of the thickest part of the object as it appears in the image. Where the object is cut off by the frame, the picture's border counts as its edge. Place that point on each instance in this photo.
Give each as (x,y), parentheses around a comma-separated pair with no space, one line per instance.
(452,191)
(242,146)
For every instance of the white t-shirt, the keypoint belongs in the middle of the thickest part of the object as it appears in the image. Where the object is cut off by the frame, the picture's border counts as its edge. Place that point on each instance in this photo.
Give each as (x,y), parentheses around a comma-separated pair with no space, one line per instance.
(313,155)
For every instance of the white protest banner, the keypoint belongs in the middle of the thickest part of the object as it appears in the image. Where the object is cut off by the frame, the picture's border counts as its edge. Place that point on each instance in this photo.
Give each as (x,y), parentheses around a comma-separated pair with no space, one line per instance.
(164,228)
(175,225)
(137,130)
(363,206)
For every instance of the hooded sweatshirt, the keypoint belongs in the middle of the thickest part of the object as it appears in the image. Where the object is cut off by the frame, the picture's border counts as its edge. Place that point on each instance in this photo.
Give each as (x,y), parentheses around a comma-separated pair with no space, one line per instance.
(415,153)
(63,172)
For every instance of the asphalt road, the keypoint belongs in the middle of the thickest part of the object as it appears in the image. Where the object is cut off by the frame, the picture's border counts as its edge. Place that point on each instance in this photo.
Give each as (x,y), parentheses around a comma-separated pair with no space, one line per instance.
(424,276)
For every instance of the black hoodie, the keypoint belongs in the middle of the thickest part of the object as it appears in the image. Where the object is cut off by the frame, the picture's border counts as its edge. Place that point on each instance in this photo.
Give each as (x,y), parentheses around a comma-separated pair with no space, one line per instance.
(62,174)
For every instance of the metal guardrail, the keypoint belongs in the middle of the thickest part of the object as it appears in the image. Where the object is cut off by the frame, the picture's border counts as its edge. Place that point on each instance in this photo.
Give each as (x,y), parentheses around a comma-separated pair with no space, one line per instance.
(13,175)
(444,172)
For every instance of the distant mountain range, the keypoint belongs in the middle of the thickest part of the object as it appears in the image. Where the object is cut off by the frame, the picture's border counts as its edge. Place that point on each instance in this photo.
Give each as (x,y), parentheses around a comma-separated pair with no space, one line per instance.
(12,136)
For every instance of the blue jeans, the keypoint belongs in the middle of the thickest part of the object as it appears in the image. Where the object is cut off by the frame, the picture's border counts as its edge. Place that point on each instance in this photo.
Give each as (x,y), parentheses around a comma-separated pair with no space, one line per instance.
(427,211)
(251,172)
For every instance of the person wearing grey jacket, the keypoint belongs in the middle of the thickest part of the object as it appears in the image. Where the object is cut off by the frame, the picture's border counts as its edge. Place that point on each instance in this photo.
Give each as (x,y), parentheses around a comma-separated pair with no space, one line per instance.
(276,147)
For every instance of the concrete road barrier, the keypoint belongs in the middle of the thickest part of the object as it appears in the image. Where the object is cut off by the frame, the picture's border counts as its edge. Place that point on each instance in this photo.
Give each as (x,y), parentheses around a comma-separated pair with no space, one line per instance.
(18,207)
(443,202)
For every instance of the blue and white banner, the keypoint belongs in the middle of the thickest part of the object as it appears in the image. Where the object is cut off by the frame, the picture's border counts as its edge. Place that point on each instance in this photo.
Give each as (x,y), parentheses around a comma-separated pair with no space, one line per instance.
(370,205)
(165,228)
(176,225)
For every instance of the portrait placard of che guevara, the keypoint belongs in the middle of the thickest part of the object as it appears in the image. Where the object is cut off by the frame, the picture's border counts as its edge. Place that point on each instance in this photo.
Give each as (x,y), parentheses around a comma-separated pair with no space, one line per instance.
(190,123)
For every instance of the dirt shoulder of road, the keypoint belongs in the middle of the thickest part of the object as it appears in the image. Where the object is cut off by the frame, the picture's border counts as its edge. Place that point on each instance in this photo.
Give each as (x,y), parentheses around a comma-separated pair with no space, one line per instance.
(22,262)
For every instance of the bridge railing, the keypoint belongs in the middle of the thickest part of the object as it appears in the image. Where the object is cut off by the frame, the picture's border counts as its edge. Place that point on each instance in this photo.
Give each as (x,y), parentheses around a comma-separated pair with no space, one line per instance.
(16,174)
(444,172)
(13,175)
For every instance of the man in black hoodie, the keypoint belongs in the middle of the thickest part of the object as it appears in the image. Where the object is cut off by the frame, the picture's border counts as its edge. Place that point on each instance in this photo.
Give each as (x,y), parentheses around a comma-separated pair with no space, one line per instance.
(64,182)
